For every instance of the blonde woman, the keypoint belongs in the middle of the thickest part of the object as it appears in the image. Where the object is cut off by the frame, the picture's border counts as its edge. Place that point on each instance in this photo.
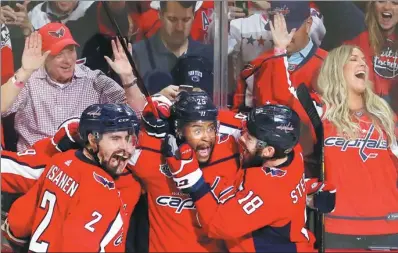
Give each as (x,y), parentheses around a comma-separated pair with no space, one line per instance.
(380,46)
(359,135)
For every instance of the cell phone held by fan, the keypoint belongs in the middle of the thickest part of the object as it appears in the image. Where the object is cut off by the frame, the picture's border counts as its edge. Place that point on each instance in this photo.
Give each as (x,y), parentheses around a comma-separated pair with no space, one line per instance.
(187,88)
(243,5)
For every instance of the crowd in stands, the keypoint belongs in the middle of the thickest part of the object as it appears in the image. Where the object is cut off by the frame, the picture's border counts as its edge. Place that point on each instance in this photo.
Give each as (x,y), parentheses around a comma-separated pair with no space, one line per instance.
(59,57)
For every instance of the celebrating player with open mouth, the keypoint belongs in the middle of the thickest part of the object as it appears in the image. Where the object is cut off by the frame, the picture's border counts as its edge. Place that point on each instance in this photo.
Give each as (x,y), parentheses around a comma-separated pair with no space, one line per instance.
(267,211)
(63,207)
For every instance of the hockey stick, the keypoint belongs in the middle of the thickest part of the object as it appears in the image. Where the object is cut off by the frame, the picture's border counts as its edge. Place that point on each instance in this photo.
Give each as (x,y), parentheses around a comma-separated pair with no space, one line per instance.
(305,99)
(140,81)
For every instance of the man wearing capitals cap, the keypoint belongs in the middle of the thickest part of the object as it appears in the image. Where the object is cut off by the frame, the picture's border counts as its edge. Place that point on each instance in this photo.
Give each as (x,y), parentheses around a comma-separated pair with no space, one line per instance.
(50,87)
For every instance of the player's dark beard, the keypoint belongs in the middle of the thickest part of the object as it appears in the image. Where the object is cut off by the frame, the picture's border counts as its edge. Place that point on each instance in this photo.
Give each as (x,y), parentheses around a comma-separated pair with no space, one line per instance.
(112,170)
(255,160)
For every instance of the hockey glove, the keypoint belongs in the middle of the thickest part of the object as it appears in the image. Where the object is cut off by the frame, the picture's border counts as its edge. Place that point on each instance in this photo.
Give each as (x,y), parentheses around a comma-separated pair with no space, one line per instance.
(320,195)
(9,243)
(67,137)
(158,128)
(183,165)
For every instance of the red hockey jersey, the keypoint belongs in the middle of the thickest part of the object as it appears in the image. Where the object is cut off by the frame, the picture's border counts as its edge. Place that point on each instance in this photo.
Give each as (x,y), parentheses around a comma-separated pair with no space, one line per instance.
(21,171)
(268,80)
(172,214)
(266,213)
(68,214)
(364,172)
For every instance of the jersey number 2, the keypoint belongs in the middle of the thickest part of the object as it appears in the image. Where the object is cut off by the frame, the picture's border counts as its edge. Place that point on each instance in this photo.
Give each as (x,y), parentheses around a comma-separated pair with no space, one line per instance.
(41,246)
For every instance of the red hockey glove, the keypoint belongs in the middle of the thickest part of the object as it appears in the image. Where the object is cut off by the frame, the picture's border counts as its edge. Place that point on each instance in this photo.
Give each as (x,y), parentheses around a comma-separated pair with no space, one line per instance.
(183,164)
(67,137)
(153,126)
(320,195)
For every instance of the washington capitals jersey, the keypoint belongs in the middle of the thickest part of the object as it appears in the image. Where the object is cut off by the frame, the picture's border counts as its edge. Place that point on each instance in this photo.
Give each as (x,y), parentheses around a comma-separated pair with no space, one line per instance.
(172,215)
(266,213)
(69,216)
(364,171)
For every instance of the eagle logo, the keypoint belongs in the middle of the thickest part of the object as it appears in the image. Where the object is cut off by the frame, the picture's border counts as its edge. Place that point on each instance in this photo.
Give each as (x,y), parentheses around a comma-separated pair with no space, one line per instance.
(105,182)
(58,33)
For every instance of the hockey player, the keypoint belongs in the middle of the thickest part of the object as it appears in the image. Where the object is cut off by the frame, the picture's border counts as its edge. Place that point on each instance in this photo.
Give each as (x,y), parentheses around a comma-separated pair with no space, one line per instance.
(267,211)
(66,215)
(172,216)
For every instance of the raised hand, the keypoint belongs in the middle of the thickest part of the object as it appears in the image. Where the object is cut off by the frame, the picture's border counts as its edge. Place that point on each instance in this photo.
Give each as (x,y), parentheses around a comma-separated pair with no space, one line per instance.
(280,34)
(7,15)
(32,57)
(121,64)
(158,128)
(22,18)
(67,136)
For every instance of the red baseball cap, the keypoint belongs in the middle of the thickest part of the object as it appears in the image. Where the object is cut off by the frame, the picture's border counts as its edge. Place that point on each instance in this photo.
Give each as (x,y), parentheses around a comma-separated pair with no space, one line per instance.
(55,37)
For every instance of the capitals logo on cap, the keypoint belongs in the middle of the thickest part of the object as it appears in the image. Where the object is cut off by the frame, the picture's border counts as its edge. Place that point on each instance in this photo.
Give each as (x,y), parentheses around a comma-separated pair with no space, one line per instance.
(105,182)
(58,33)
(274,172)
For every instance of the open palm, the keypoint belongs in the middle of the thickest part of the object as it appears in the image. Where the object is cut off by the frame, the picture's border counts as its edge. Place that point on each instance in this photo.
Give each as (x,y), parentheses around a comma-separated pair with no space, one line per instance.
(120,64)
(32,57)
(280,34)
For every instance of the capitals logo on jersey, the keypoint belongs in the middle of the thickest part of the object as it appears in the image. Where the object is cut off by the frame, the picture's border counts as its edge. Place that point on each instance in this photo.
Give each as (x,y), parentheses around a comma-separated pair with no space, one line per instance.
(364,145)
(105,182)
(274,172)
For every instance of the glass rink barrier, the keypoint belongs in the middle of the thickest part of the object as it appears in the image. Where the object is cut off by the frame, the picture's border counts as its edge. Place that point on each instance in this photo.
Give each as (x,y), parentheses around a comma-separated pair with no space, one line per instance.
(214,71)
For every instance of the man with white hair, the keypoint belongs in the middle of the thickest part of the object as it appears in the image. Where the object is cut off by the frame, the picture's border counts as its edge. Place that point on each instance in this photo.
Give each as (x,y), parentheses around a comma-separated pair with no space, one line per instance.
(44,96)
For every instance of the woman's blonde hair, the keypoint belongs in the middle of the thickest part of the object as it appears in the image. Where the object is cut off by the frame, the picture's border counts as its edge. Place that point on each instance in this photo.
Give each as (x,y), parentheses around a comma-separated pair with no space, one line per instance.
(376,37)
(333,89)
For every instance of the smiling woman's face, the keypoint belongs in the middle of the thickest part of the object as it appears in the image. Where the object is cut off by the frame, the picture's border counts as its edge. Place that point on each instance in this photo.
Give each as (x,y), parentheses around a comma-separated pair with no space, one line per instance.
(356,72)
(387,15)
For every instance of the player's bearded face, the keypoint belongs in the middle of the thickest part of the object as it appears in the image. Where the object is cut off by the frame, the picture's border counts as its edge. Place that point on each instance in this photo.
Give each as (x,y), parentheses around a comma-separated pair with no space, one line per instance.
(250,154)
(115,150)
(201,136)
